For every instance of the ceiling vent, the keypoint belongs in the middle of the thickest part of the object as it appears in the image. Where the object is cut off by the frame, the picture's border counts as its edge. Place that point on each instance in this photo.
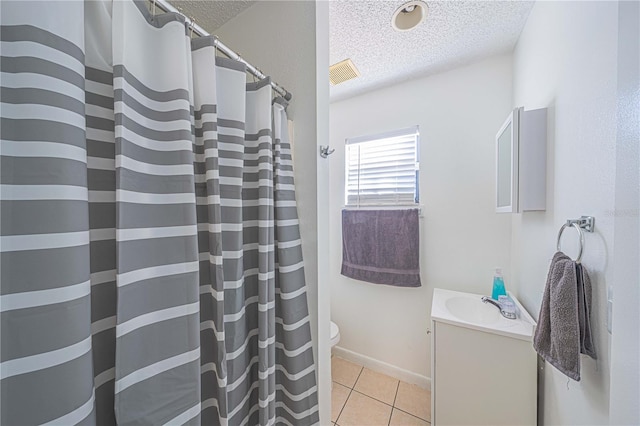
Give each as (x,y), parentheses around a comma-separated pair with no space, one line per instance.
(342,71)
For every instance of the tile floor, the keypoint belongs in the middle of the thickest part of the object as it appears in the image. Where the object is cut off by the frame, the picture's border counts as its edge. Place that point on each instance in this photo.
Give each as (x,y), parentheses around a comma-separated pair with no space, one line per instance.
(364,397)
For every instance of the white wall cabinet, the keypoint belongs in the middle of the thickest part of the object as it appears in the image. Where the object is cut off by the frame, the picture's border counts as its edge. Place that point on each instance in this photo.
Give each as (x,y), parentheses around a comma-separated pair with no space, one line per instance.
(521,162)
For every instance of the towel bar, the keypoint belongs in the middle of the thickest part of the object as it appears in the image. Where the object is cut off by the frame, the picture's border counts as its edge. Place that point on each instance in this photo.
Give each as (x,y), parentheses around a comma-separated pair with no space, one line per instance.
(585,222)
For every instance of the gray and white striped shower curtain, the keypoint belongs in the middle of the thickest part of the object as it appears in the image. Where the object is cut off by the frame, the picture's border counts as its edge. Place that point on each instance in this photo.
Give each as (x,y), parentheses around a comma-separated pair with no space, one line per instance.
(151,263)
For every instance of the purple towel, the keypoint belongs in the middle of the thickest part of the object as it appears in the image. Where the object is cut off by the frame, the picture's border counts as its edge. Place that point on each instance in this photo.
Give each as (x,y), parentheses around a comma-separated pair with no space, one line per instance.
(381,246)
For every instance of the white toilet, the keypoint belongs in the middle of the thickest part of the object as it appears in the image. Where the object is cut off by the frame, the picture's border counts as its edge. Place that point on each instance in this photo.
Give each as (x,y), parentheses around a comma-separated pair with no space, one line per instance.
(335,334)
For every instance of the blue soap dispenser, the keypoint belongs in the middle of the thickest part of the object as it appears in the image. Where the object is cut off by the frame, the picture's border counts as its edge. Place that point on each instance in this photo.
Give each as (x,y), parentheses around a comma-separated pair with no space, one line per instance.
(498,285)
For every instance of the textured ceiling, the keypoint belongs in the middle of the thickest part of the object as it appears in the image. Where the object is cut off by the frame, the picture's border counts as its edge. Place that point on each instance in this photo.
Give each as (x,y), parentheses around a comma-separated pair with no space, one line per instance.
(211,14)
(453,34)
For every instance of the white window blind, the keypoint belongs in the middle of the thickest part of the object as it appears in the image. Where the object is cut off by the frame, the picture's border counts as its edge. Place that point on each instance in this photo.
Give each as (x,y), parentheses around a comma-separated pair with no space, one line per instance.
(383,169)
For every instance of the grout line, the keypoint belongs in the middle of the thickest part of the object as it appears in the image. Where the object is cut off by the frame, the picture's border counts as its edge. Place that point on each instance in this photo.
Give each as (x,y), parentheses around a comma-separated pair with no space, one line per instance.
(371,397)
(393,406)
(374,398)
(396,395)
(348,396)
(412,415)
(343,405)
(358,378)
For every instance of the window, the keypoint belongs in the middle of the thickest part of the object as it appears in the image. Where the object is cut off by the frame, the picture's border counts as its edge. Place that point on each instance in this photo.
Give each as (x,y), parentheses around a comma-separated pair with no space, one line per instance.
(383,169)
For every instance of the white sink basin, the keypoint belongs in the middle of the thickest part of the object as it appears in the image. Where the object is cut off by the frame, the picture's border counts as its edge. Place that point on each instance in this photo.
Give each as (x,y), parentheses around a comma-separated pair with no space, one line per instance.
(468,310)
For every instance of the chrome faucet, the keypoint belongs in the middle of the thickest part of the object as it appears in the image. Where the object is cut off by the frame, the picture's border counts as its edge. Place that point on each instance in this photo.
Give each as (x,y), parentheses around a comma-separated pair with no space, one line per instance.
(508,312)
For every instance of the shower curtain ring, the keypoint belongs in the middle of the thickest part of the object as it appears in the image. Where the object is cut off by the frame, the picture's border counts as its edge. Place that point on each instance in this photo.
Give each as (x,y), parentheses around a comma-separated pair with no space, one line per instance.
(193,23)
(216,40)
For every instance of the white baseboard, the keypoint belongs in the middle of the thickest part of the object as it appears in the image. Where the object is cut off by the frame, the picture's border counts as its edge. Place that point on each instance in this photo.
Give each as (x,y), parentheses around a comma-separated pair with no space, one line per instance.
(383,367)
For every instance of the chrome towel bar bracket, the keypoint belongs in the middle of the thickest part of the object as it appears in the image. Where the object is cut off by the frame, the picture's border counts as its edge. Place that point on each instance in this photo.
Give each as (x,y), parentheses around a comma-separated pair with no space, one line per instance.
(587,223)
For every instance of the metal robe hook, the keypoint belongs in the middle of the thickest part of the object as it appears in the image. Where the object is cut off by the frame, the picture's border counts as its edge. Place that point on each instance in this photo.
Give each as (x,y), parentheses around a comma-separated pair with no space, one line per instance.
(325,151)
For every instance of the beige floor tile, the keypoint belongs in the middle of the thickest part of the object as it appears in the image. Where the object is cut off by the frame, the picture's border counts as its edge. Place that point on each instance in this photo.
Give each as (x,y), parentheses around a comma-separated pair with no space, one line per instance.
(344,372)
(361,410)
(414,400)
(339,395)
(400,418)
(377,385)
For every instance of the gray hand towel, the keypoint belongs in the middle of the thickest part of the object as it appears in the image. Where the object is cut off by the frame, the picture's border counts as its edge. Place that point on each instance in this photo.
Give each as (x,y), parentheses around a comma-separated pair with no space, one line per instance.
(381,246)
(557,337)
(563,330)
(584,311)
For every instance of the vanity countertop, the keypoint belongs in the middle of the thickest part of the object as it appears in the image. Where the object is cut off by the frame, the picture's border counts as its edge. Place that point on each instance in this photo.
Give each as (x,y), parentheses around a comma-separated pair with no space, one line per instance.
(468,310)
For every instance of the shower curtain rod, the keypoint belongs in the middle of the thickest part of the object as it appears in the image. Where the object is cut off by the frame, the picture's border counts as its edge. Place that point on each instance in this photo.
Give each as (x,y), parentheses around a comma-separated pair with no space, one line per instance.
(165,6)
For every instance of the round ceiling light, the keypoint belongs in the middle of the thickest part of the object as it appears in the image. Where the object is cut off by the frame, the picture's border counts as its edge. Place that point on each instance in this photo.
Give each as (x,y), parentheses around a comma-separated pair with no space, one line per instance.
(409,15)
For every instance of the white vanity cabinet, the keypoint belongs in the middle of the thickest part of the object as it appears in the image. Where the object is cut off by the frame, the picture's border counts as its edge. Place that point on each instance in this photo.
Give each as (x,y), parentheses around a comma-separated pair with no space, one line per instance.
(483,366)
(521,162)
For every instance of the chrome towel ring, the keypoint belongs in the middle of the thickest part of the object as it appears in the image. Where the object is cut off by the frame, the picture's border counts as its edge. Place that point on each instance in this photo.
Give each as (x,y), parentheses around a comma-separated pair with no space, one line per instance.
(585,222)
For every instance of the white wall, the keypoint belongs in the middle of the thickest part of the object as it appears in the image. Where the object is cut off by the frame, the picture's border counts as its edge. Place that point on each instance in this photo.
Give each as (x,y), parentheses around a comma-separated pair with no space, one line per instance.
(279,37)
(566,60)
(322,99)
(462,238)
(624,398)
